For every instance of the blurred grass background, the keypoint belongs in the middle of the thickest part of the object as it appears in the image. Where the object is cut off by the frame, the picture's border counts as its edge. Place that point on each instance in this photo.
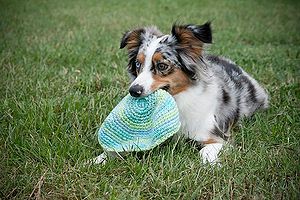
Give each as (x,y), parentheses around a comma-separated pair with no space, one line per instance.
(62,72)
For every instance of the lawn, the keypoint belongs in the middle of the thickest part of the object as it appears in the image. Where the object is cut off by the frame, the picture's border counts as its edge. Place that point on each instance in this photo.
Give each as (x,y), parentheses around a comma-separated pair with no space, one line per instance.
(62,72)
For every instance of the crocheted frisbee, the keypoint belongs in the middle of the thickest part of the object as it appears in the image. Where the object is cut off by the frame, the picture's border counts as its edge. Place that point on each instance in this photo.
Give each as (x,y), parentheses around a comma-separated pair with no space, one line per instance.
(139,124)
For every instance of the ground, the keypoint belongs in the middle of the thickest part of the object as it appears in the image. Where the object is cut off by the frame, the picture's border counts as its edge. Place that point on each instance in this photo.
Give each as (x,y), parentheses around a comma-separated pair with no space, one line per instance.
(62,72)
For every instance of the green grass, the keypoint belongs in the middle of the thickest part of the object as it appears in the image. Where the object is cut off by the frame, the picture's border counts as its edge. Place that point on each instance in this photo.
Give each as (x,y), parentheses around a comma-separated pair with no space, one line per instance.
(62,72)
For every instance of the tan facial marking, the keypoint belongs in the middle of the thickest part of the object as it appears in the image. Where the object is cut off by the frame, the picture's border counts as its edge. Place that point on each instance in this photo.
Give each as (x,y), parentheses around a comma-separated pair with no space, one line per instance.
(157,57)
(141,58)
(177,82)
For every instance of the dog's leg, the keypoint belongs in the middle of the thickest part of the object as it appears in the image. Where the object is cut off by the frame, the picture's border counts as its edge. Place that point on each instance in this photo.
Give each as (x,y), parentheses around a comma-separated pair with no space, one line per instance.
(102,158)
(209,153)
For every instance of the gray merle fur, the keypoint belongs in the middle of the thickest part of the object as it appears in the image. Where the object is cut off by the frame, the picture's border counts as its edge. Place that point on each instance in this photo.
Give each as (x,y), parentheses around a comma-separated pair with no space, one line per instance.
(239,94)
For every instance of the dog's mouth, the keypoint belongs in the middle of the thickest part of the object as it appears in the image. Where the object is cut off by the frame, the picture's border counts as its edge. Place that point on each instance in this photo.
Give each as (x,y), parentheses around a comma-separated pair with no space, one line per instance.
(166,88)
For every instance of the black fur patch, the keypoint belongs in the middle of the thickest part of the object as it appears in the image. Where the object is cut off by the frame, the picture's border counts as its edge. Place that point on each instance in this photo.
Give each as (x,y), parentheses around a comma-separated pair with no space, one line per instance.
(252,92)
(131,68)
(190,72)
(225,96)
(202,32)
(230,68)
(236,115)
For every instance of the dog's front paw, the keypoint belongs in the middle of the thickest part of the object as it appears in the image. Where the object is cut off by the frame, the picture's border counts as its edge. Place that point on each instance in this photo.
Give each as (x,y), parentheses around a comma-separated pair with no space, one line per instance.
(101,159)
(209,153)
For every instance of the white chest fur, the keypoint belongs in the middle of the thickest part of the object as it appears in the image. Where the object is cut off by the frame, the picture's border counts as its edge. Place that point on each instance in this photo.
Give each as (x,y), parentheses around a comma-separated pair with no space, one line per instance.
(197,106)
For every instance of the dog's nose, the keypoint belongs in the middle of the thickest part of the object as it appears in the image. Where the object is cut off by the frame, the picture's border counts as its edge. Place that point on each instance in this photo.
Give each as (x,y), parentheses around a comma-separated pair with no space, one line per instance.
(136,90)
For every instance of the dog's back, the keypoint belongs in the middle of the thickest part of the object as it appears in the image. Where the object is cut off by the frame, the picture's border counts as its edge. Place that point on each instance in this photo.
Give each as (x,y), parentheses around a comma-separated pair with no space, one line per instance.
(240,95)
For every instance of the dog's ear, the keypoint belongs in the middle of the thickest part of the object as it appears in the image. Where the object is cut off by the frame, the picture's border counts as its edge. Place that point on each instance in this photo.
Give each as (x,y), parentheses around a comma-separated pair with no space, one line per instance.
(191,38)
(132,39)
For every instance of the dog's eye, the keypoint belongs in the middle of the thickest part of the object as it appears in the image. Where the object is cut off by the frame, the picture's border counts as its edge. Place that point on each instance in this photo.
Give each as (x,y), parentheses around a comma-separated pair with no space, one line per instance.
(137,64)
(162,66)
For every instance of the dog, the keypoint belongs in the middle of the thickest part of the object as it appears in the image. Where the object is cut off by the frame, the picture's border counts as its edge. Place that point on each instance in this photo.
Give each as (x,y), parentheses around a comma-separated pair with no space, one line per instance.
(212,92)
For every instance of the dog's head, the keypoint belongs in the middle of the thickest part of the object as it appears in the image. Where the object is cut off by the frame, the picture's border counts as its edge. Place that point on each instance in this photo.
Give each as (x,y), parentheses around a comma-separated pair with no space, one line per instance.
(162,61)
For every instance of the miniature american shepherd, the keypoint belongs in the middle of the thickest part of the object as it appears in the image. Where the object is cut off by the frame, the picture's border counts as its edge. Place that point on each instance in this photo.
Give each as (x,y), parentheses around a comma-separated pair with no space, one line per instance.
(212,92)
